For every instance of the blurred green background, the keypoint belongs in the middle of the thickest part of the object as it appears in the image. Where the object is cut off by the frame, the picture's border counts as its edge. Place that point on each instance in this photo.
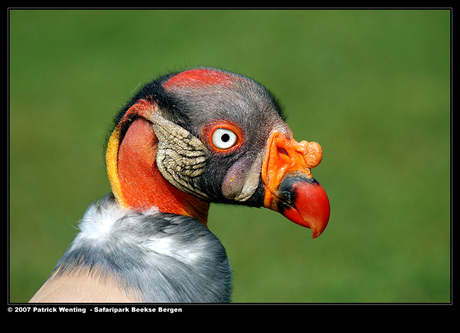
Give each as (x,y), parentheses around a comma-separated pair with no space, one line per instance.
(371,86)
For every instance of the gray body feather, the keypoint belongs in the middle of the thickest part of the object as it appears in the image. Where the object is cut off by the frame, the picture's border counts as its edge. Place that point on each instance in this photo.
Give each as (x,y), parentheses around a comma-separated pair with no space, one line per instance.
(153,256)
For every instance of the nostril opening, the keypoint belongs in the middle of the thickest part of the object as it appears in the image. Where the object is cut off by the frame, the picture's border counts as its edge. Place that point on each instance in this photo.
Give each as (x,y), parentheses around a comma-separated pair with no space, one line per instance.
(282,151)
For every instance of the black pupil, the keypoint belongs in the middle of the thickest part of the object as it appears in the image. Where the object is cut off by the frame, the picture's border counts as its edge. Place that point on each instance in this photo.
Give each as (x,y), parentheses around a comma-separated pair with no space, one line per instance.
(225,137)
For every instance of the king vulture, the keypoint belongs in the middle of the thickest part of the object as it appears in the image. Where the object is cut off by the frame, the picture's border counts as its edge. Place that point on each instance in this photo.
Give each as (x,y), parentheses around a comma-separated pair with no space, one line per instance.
(185,140)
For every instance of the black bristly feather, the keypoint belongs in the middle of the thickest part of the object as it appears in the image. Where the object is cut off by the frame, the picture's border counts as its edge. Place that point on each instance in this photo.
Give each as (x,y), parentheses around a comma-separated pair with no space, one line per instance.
(152,90)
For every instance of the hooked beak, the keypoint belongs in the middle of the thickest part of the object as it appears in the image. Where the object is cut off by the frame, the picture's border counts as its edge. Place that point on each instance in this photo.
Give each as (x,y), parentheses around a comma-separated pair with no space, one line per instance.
(290,188)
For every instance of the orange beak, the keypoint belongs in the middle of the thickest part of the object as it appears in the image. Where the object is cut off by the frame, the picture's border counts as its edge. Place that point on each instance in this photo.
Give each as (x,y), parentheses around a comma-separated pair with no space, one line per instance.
(289,186)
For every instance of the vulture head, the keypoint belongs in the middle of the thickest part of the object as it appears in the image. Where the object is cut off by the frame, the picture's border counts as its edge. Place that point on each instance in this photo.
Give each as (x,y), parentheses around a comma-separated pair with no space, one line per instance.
(206,135)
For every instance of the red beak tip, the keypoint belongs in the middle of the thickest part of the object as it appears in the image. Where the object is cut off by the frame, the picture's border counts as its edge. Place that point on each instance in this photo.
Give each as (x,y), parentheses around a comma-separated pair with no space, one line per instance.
(311,207)
(317,231)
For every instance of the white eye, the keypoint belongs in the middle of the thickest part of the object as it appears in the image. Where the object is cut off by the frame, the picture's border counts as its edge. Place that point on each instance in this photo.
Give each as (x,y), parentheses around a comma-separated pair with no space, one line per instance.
(223,138)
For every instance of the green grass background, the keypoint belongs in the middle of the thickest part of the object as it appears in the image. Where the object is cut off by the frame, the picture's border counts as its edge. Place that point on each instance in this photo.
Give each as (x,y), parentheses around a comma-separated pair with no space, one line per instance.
(371,86)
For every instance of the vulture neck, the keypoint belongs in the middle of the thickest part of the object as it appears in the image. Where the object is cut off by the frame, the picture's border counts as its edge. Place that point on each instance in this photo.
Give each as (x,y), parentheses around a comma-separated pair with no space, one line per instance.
(136,181)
